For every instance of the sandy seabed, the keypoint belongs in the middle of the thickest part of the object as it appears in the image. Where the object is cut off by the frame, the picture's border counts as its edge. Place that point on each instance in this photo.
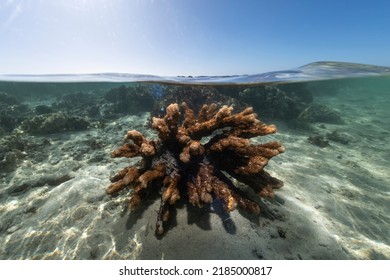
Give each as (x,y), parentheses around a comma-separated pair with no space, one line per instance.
(334,203)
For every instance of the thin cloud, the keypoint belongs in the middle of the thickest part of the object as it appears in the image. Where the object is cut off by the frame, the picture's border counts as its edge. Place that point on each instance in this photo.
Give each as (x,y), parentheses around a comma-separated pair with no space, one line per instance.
(15,12)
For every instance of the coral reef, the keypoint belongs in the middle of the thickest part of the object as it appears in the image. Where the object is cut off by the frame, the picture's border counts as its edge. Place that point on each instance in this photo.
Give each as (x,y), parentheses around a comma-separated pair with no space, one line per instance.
(282,101)
(195,97)
(12,112)
(80,104)
(54,123)
(8,99)
(129,100)
(196,157)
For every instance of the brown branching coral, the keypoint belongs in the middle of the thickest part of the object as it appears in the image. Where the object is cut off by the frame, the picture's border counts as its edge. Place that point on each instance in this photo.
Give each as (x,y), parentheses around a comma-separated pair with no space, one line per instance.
(188,159)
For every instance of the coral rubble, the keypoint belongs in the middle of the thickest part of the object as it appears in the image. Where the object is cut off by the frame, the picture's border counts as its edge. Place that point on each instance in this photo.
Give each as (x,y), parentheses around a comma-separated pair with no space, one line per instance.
(195,157)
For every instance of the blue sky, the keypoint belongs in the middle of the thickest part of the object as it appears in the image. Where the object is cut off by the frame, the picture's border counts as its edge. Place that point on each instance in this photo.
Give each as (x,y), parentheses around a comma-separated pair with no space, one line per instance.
(189,37)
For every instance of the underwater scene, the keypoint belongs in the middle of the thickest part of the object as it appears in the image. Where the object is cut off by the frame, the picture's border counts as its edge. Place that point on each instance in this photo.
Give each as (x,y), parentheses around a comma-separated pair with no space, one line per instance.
(282,165)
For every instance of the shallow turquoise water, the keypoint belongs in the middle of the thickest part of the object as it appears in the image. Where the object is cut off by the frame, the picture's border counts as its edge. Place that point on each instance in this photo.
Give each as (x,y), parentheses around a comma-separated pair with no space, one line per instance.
(57,133)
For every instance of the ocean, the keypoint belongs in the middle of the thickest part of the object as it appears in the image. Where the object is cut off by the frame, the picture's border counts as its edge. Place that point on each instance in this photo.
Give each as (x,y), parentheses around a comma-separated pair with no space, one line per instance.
(322,186)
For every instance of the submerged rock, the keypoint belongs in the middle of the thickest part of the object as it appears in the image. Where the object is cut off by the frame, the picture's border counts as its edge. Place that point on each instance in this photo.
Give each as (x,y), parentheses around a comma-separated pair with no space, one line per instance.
(43,109)
(318,140)
(320,113)
(24,184)
(338,137)
(54,123)
(9,161)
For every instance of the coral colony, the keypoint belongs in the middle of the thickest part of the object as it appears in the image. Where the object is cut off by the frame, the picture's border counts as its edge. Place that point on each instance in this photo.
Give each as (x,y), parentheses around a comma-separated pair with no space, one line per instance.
(195,158)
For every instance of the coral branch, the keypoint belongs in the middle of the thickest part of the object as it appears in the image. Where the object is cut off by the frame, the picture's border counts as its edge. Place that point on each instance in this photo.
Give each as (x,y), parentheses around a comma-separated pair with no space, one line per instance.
(140,146)
(182,167)
(171,193)
(123,179)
